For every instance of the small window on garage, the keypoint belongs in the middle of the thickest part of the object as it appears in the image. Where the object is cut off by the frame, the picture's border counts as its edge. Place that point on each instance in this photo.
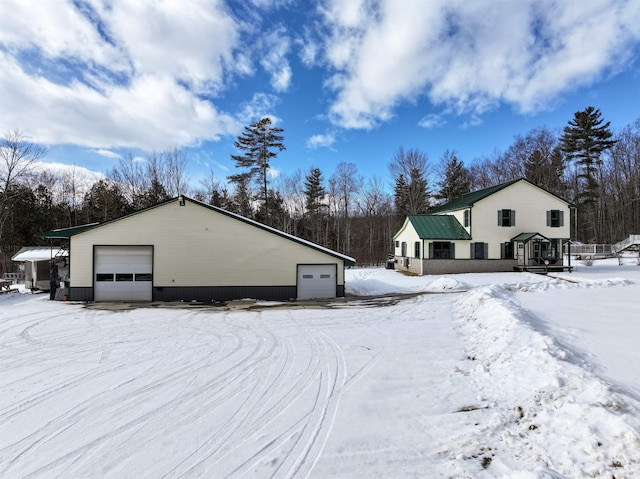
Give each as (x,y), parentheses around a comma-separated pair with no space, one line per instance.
(124,276)
(144,277)
(307,276)
(325,276)
(104,277)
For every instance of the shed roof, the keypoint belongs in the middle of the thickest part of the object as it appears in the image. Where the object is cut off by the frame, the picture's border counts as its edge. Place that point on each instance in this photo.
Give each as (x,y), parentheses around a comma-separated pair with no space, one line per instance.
(438,227)
(38,253)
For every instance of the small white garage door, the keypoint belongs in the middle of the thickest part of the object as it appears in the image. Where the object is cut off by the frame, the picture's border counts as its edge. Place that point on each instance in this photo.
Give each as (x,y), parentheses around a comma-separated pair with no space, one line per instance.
(317,281)
(123,273)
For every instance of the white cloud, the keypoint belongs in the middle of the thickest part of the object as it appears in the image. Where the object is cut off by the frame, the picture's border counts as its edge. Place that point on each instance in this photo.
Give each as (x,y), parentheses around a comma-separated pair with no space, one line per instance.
(318,141)
(469,56)
(107,153)
(275,48)
(431,120)
(132,75)
(273,173)
(153,112)
(260,106)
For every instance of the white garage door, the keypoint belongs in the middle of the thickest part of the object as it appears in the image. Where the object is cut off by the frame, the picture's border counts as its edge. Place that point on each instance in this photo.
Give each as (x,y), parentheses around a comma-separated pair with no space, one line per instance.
(317,281)
(123,273)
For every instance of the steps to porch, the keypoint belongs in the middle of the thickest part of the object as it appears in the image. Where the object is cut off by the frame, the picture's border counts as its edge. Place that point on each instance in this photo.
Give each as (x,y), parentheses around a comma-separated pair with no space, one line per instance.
(543,269)
(625,244)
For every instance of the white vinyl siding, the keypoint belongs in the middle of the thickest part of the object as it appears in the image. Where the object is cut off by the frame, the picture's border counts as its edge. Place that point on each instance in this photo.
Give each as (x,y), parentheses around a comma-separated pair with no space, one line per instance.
(530,203)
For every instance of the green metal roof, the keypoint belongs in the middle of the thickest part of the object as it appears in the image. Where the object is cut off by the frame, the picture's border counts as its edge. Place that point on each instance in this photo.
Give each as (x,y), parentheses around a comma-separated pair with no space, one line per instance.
(63,233)
(468,199)
(438,227)
(525,237)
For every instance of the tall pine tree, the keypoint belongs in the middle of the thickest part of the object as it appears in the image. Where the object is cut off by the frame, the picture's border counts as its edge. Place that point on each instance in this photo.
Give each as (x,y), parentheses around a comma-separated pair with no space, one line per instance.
(584,140)
(315,205)
(259,142)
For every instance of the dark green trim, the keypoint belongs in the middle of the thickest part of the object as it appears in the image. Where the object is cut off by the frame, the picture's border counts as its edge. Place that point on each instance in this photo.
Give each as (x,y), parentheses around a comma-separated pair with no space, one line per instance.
(467,200)
(526,237)
(65,233)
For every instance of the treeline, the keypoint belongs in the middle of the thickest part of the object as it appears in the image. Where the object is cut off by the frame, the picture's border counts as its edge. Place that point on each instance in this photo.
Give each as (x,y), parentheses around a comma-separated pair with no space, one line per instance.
(345,211)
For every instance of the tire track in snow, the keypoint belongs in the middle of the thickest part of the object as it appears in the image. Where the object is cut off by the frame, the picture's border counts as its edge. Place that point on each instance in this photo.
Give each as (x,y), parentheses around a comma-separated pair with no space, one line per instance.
(61,423)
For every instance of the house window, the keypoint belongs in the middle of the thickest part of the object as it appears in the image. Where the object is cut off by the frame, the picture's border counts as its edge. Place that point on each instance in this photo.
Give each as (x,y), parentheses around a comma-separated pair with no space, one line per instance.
(555,218)
(397,244)
(507,250)
(442,250)
(479,250)
(403,249)
(467,219)
(506,218)
(416,249)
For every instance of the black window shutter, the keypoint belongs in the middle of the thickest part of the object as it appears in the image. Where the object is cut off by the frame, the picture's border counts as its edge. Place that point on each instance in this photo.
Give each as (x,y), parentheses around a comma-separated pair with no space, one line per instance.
(452,250)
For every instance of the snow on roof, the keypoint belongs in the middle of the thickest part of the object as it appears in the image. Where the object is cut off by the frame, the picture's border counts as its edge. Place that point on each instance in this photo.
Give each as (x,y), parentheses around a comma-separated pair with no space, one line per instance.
(38,253)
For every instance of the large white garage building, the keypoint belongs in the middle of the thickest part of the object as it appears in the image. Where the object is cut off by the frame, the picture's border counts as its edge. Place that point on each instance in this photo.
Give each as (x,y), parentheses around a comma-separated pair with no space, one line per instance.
(186,250)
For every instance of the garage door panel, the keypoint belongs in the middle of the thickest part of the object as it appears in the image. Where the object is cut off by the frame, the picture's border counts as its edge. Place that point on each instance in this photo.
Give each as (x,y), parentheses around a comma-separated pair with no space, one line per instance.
(123,273)
(317,281)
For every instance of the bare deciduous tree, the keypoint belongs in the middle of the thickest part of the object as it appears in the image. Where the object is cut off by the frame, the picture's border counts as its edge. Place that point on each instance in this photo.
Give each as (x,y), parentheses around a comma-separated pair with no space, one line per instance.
(18,157)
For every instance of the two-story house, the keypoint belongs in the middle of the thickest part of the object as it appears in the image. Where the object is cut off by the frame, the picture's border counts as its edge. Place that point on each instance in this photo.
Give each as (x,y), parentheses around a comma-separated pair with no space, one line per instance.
(510,225)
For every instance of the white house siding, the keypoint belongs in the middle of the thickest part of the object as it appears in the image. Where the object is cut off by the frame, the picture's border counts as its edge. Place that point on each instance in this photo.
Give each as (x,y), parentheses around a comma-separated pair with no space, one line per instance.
(530,204)
(409,236)
(196,246)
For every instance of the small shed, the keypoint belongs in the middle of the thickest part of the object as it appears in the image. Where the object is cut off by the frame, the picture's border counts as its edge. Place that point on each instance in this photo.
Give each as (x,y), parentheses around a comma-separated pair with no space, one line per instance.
(36,261)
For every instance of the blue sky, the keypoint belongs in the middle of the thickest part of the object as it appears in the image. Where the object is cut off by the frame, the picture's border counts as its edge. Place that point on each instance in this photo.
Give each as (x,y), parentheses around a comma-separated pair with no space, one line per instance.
(348,81)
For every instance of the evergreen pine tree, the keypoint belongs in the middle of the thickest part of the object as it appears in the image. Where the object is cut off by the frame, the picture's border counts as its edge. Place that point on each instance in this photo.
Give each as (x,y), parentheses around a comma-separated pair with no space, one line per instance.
(584,139)
(258,142)
(315,193)
(455,178)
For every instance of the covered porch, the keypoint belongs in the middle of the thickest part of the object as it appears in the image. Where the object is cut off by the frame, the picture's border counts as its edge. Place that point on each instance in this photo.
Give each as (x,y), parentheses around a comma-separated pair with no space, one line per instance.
(538,254)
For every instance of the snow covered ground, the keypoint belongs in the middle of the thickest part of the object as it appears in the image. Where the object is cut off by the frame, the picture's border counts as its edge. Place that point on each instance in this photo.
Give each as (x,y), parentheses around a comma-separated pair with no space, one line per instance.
(473,375)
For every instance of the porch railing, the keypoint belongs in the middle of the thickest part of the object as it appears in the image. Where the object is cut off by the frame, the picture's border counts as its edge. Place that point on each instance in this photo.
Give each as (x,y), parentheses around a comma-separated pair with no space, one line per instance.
(589,250)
